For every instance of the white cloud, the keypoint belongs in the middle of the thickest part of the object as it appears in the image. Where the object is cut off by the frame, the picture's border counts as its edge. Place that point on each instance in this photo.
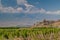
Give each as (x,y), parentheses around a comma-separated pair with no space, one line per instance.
(10,10)
(36,10)
(0,3)
(27,5)
(53,12)
(42,10)
(20,2)
(29,9)
(16,10)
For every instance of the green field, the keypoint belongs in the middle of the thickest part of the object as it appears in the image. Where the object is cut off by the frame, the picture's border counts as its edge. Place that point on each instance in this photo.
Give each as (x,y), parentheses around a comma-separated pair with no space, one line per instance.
(36,33)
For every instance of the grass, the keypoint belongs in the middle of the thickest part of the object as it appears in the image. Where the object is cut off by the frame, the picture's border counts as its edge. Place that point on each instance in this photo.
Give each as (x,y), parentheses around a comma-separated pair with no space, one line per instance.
(36,33)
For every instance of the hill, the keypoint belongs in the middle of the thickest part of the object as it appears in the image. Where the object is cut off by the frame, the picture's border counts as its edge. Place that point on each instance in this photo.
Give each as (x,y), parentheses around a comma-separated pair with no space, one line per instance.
(47,23)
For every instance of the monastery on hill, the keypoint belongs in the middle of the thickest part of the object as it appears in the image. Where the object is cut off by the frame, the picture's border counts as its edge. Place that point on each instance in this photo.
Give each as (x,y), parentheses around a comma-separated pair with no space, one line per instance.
(46,23)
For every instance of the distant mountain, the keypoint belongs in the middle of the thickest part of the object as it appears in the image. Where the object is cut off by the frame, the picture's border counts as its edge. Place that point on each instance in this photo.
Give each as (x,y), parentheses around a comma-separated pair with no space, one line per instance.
(23,26)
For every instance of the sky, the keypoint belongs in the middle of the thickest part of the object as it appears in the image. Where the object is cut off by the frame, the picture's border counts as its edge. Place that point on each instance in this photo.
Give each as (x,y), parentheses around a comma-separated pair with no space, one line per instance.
(28,12)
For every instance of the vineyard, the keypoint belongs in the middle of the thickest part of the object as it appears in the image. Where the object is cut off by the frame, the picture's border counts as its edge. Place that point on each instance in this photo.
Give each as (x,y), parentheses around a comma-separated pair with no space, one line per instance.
(36,33)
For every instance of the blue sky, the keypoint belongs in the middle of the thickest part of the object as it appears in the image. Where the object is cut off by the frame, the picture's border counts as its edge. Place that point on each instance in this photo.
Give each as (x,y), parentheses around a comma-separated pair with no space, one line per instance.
(28,12)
